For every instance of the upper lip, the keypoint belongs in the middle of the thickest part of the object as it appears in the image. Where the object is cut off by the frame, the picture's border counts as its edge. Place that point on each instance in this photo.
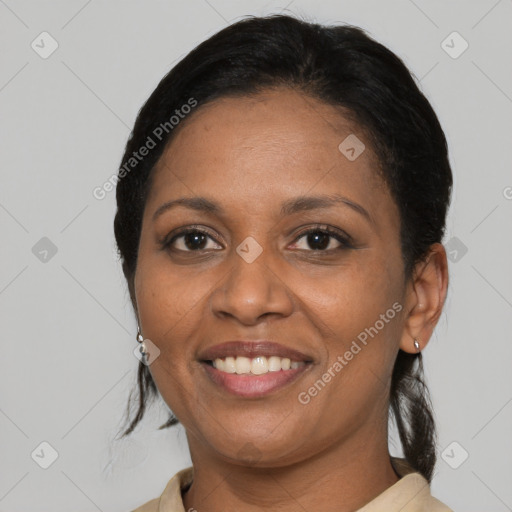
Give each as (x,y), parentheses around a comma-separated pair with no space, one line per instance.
(251,349)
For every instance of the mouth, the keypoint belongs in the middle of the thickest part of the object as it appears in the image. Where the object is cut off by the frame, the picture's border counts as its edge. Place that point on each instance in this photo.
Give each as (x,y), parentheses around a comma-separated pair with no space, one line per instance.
(253,369)
(258,365)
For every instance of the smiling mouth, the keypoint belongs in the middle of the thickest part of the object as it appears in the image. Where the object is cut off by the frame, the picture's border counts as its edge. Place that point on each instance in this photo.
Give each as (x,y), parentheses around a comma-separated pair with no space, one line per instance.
(253,369)
(259,365)
(254,378)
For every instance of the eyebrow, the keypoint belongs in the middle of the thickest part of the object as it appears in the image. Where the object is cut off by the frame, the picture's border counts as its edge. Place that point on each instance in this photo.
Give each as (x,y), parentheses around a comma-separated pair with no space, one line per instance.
(289,207)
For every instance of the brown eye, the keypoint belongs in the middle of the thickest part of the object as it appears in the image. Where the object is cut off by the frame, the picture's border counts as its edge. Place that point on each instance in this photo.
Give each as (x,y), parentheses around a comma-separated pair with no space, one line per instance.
(323,240)
(190,240)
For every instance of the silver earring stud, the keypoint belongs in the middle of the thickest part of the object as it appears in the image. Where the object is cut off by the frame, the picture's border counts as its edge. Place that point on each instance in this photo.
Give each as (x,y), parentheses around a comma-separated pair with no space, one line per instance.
(140,339)
(417,345)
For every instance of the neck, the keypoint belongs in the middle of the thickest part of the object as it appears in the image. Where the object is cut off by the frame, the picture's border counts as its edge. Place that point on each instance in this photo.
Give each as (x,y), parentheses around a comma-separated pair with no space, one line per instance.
(341,478)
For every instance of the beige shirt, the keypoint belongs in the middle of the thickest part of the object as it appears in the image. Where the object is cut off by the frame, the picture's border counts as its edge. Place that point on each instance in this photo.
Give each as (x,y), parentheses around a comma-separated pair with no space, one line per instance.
(410,494)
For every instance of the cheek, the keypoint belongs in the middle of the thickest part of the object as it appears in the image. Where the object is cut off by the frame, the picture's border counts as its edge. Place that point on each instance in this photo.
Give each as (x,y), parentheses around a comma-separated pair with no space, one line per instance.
(358,310)
(166,312)
(349,298)
(169,310)
(168,298)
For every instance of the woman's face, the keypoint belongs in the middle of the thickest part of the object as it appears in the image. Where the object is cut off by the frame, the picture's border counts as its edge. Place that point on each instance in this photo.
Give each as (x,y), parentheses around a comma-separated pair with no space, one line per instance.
(250,273)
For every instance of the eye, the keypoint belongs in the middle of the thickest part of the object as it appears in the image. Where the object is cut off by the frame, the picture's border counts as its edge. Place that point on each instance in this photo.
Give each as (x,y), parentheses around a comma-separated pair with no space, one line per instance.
(190,240)
(321,239)
(318,239)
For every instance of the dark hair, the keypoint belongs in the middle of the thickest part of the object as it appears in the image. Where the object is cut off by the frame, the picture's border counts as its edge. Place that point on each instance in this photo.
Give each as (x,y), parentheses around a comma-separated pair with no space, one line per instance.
(341,66)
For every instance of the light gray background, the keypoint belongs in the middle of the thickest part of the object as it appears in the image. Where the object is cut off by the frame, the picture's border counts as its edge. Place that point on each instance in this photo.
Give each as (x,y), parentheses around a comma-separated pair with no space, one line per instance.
(67,328)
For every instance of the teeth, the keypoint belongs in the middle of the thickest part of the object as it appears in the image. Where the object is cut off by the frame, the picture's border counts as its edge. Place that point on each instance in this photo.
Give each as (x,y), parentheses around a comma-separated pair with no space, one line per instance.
(257,366)
(220,365)
(242,365)
(274,364)
(229,365)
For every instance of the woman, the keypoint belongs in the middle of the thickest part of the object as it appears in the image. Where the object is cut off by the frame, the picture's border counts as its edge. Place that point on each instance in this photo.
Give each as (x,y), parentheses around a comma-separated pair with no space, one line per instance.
(281,207)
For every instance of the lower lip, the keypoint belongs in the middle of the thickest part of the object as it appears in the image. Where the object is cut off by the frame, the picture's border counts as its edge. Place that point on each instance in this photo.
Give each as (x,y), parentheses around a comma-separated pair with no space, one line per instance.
(253,386)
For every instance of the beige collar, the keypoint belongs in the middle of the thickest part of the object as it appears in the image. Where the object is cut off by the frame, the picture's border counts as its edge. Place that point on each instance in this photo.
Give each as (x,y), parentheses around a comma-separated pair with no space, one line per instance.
(410,494)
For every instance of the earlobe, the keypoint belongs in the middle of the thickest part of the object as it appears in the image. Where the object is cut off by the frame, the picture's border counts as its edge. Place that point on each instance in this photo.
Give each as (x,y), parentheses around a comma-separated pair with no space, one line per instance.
(425,301)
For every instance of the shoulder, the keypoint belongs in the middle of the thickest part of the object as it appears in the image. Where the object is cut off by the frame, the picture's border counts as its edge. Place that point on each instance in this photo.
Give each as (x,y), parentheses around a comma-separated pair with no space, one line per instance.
(170,500)
(150,506)
(412,492)
(438,506)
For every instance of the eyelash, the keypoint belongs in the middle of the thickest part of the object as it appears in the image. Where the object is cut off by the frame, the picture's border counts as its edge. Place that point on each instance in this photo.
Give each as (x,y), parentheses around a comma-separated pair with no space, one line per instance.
(344,240)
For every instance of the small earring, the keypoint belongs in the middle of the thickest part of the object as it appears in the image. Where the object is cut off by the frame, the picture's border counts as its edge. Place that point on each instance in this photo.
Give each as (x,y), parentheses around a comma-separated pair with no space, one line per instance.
(417,345)
(140,339)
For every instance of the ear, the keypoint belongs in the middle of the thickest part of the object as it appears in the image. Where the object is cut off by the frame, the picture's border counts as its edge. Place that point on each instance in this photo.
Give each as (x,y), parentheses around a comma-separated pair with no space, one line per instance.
(426,294)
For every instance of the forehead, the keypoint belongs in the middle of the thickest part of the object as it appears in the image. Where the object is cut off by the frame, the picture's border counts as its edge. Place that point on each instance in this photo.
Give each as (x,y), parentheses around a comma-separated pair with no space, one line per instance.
(278,141)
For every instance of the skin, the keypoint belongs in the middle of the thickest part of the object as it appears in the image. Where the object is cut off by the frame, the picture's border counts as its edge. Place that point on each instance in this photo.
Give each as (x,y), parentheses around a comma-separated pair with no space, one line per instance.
(249,154)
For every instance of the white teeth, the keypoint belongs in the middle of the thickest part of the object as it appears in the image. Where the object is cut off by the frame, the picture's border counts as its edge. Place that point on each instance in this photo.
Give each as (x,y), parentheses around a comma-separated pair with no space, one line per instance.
(274,364)
(243,365)
(257,366)
(229,365)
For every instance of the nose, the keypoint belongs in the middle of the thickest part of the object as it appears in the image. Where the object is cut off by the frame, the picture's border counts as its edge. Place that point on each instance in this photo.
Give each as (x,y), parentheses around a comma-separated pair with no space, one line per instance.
(252,291)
